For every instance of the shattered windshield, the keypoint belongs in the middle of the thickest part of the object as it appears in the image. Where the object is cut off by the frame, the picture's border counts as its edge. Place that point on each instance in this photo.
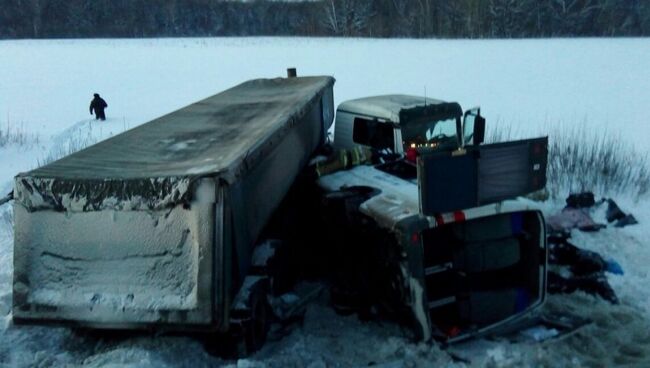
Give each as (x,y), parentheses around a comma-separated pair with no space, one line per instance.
(431,133)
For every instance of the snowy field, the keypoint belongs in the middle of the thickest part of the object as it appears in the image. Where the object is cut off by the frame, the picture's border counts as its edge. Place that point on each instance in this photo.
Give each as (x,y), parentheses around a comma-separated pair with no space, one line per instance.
(533,86)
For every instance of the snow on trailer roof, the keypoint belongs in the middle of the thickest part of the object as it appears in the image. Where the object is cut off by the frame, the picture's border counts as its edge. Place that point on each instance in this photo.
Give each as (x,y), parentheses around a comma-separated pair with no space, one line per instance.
(205,138)
(387,107)
(157,164)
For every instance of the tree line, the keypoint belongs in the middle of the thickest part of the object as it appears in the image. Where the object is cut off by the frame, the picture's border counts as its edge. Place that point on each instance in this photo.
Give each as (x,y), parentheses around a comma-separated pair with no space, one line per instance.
(350,18)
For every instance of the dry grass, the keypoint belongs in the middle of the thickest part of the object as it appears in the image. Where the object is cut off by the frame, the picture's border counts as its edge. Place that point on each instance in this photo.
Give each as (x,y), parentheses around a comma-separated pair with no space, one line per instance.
(599,162)
(11,134)
(74,143)
(6,220)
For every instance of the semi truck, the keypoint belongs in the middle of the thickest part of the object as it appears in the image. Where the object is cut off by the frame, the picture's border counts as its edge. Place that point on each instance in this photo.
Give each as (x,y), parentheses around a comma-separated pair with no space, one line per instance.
(155,228)
(427,217)
(163,226)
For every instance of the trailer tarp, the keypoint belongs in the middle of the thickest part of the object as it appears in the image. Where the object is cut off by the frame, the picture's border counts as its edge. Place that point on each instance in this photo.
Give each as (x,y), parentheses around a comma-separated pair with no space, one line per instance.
(155,165)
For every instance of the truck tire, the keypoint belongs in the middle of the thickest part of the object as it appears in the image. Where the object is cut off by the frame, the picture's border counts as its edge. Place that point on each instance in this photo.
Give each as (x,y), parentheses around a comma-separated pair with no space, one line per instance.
(272,259)
(250,319)
(251,316)
(258,327)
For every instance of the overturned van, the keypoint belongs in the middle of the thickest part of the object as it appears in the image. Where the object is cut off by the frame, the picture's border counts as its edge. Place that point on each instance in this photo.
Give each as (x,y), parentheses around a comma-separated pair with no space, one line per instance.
(422,208)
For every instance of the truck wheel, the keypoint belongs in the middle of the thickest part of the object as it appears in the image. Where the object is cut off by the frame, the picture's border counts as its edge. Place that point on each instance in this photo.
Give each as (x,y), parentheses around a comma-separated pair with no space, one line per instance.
(251,316)
(272,258)
(258,326)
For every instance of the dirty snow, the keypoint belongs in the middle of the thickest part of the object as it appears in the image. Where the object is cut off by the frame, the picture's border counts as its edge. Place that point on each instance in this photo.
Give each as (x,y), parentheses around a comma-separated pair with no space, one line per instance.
(36,193)
(161,271)
(531,85)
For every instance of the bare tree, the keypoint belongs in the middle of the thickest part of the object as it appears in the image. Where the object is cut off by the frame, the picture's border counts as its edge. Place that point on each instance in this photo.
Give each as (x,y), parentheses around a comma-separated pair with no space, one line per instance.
(474,15)
(507,18)
(385,18)
(404,17)
(331,20)
(452,24)
(348,17)
(570,17)
(644,16)
(171,13)
(427,18)
(36,7)
(624,16)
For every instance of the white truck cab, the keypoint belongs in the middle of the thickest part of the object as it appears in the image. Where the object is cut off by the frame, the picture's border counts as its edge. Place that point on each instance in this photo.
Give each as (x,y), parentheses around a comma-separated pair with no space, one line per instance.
(399,122)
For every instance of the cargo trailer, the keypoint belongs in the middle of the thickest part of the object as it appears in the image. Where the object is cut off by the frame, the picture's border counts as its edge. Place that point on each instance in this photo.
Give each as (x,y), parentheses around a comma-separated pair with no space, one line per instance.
(156,227)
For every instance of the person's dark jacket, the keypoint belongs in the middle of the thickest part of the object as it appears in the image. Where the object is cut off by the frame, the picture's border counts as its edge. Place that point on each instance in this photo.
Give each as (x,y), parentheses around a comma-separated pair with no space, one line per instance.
(98,105)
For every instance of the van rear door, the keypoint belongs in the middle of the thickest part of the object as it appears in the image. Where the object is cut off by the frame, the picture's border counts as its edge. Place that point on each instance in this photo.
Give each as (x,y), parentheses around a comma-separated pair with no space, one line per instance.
(475,176)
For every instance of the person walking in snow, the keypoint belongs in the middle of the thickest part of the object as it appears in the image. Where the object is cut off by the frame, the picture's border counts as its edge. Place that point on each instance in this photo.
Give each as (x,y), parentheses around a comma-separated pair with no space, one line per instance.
(98,104)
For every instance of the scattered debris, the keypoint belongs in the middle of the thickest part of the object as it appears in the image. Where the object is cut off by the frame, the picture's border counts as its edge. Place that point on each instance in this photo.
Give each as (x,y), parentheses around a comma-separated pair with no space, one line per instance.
(581,261)
(290,305)
(578,215)
(580,200)
(576,268)
(613,211)
(573,218)
(539,333)
(289,309)
(595,284)
(627,220)
(538,329)
(579,269)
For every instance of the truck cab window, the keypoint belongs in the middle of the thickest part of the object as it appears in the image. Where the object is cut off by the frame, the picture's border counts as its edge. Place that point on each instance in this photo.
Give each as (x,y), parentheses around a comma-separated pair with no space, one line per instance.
(431,133)
(373,133)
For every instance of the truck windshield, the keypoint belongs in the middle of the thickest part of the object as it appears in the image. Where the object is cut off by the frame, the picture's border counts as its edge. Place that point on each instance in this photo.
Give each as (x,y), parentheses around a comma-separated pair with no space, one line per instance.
(431,133)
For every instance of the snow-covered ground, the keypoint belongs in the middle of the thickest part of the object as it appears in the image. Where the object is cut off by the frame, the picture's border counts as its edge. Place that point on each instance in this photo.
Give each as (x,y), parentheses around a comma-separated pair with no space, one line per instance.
(531,85)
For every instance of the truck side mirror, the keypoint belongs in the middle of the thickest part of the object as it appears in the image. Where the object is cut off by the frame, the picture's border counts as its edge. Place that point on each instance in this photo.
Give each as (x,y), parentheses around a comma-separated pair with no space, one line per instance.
(479,130)
(473,127)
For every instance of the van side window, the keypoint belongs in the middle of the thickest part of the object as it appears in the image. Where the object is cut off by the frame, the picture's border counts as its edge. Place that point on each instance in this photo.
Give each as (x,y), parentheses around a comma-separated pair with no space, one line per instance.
(373,133)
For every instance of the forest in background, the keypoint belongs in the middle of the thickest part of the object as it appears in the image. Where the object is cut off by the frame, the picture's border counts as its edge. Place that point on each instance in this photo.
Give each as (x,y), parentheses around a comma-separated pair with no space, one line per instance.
(349,18)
